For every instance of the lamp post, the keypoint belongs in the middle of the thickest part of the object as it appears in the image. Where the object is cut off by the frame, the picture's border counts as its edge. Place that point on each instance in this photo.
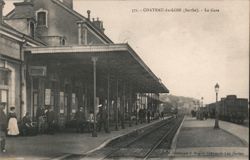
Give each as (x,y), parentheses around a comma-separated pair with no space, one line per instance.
(216,125)
(202,102)
(94,59)
(198,110)
(201,109)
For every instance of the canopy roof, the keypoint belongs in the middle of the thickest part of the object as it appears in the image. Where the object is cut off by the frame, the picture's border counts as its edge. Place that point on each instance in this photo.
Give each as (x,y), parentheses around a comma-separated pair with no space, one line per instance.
(118,60)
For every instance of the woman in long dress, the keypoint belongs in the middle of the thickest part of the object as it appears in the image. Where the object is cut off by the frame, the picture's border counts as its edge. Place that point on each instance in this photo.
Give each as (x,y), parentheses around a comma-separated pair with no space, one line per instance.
(12,123)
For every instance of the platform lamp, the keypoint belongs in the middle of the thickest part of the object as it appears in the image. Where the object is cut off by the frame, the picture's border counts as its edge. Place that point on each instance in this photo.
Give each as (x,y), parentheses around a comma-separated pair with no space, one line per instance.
(202,102)
(201,109)
(216,125)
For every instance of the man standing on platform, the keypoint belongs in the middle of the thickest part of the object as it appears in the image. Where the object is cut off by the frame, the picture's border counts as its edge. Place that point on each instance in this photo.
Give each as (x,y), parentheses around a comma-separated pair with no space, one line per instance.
(148,116)
(3,126)
(40,113)
(80,119)
(102,114)
(51,120)
(144,113)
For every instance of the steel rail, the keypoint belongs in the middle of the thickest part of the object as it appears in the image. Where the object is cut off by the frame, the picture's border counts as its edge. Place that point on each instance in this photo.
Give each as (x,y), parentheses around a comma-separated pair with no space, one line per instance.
(161,140)
(140,137)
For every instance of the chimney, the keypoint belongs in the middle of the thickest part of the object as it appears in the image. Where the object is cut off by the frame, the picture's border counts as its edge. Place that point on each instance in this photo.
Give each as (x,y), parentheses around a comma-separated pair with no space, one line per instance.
(98,24)
(88,12)
(1,10)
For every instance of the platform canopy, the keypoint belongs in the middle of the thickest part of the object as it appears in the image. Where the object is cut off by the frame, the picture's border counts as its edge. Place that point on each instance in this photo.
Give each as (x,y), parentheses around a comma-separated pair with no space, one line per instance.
(117,60)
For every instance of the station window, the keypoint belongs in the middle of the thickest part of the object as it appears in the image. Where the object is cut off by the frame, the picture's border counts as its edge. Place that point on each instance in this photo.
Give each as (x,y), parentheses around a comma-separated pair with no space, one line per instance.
(4,76)
(32,29)
(41,16)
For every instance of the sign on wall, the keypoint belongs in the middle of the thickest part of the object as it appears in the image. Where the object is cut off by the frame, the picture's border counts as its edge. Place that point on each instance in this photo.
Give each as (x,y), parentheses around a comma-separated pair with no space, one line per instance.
(37,71)
(73,103)
(47,96)
(118,103)
(61,102)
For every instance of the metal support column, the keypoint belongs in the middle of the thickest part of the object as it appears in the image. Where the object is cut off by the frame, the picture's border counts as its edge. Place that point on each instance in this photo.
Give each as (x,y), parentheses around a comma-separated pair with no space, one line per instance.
(136,109)
(142,107)
(32,98)
(116,113)
(108,101)
(94,59)
(130,106)
(85,100)
(123,106)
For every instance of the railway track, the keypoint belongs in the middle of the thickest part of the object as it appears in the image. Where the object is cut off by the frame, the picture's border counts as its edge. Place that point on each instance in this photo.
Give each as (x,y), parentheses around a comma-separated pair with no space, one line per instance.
(153,142)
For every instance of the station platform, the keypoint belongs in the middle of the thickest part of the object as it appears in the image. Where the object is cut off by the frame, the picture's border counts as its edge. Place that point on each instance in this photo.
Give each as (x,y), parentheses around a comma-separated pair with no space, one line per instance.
(197,139)
(61,145)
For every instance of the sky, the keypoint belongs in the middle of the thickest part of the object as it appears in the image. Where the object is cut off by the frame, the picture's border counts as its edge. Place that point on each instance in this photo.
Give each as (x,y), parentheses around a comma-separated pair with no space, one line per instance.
(190,52)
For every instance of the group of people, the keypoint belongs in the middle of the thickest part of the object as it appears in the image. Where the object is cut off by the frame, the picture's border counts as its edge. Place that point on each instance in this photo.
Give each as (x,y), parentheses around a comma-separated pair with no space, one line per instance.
(82,123)
(27,126)
(9,124)
(201,115)
(46,120)
(143,113)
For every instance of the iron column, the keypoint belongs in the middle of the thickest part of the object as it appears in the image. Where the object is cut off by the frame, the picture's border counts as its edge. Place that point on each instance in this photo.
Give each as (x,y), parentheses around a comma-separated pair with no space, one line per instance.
(94,59)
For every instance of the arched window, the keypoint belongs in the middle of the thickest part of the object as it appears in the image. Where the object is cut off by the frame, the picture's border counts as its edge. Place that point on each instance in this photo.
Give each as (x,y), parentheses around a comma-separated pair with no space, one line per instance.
(41,17)
(32,29)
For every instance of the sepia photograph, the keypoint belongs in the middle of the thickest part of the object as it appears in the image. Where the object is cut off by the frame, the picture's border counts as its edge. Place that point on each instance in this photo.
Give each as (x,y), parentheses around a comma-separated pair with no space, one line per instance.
(124,79)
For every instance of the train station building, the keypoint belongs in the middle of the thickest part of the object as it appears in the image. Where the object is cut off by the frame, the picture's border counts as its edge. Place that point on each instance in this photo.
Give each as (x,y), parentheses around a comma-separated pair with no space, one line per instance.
(52,55)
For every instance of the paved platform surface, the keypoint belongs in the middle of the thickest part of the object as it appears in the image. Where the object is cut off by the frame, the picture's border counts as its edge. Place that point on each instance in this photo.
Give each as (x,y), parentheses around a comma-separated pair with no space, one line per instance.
(198,140)
(60,144)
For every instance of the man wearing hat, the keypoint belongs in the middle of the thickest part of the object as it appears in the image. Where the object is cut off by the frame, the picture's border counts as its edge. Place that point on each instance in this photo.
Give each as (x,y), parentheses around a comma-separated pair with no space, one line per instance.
(102,118)
(3,126)
(51,118)
(80,119)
